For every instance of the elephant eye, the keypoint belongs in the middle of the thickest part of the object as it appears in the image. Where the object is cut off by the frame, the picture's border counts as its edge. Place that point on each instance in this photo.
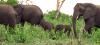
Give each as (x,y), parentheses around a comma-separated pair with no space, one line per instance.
(81,11)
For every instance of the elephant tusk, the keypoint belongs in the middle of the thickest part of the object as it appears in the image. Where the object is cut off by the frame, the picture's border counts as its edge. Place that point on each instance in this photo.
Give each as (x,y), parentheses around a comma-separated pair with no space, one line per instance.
(77,17)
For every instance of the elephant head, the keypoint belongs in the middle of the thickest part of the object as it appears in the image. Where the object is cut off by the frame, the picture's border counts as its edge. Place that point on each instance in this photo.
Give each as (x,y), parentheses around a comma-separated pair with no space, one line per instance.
(87,10)
(64,27)
(46,25)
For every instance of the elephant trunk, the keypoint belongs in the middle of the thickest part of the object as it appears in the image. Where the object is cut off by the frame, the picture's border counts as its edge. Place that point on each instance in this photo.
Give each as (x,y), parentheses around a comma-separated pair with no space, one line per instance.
(74,18)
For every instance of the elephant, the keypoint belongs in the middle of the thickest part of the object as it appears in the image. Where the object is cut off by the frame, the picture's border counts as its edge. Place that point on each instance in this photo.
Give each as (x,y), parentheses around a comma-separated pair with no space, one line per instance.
(46,25)
(66,28)
(7,15)
(28,13)
(90,14)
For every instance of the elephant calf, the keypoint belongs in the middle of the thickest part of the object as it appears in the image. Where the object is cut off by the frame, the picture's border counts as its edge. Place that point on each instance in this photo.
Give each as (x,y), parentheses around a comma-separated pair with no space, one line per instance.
(46,25)
(7,15)
(66,28)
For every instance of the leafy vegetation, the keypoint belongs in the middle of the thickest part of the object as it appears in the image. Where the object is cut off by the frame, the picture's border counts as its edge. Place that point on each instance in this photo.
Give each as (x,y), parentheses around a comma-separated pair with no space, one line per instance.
(11,2)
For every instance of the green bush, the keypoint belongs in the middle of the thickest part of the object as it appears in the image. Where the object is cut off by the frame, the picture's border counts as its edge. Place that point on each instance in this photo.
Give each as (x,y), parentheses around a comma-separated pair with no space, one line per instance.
(10,2)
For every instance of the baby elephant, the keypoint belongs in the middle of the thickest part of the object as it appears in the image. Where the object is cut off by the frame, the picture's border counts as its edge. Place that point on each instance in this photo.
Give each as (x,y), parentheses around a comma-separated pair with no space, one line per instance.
(46,25)
(66,28)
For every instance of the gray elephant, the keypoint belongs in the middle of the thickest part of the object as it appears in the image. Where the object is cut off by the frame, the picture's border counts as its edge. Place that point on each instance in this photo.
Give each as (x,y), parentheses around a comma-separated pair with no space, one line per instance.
(90,13)
(29,13)
(7,15)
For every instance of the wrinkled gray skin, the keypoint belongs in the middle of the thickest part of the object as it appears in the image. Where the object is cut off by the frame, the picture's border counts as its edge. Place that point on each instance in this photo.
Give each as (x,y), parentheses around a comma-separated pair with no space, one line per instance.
(90,13)
(7,15)
(29,13)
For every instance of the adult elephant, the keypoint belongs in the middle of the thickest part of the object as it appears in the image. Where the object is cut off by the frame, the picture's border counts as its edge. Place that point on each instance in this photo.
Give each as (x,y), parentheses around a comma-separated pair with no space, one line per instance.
(90,13)
(30,13)
(7,15)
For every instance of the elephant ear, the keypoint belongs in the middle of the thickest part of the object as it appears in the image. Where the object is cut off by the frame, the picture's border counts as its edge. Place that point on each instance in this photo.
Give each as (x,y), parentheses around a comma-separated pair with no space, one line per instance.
(89,13)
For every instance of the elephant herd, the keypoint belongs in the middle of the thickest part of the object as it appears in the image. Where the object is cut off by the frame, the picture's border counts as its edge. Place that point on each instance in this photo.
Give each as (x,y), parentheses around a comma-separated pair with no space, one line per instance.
(19,14)
(12,15)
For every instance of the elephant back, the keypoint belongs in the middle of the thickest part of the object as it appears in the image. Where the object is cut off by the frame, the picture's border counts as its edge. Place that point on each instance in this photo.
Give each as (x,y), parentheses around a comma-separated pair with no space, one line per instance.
(7,8)
(32,14)
(33,9)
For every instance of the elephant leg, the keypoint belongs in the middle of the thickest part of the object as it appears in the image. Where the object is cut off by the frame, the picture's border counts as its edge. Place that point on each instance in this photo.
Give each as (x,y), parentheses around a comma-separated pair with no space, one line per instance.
(89,23)
(22,22)
(96,29)
(88,29)
(68,33)
(6,27)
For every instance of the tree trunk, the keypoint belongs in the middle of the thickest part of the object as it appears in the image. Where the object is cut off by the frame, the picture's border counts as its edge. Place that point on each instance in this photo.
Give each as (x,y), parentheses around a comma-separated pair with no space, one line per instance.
(59,5)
